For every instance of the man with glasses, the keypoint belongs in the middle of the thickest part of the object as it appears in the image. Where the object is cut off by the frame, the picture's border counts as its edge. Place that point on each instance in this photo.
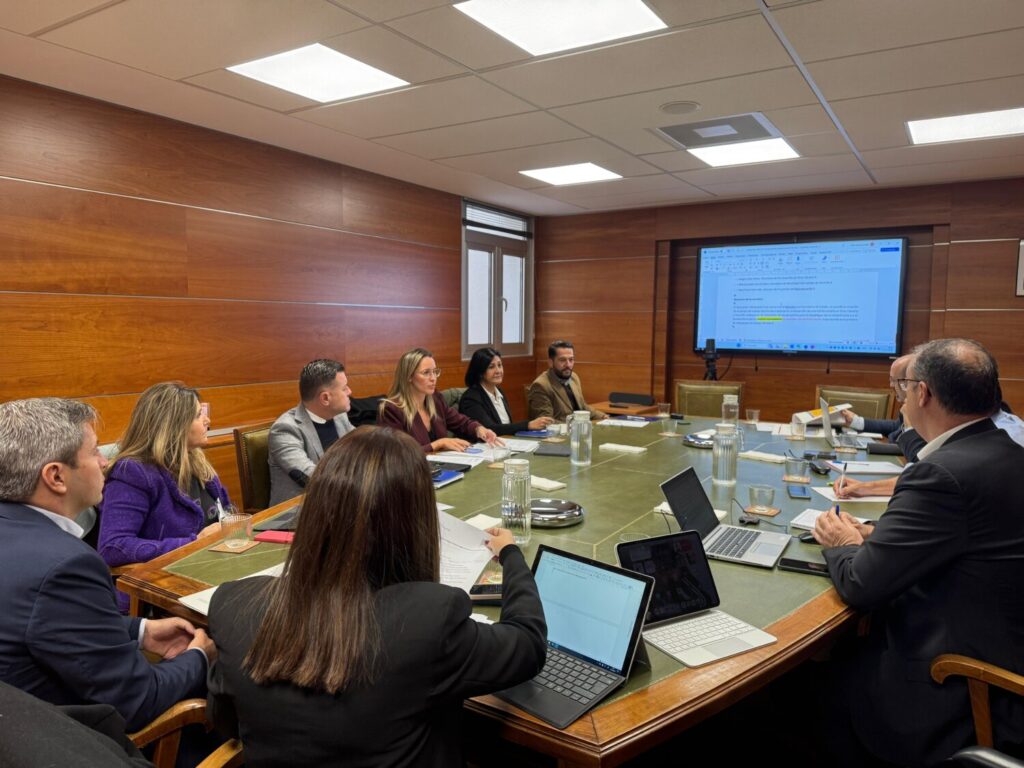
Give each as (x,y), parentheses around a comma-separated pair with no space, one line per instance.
(301,435)
(888,427)
(942,568)
(558,392)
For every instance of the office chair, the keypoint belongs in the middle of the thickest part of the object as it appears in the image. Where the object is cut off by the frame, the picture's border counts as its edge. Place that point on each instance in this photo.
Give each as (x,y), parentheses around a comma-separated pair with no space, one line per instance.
(252,452)
(704,398)
(630,398)
(165,733)
(867,402)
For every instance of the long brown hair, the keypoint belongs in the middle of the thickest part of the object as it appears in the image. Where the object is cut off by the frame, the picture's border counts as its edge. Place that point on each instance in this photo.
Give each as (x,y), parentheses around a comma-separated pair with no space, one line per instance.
(369,520)
(402,393)
(157,433)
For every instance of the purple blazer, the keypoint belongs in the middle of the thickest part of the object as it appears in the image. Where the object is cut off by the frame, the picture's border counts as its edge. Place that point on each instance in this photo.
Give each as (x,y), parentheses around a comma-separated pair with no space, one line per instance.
(445,419)
(144,514)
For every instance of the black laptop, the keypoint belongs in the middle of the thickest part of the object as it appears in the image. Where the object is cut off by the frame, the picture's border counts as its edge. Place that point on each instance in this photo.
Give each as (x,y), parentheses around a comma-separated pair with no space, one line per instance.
(595,614)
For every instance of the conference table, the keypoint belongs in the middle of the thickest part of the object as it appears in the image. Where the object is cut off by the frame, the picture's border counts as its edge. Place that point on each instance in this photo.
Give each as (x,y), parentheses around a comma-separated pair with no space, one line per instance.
(618,492)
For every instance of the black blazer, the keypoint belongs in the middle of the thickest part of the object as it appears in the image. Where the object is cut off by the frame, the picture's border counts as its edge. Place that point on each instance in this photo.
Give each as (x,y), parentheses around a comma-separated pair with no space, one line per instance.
(432,656)
(61,636)
(943,569)
(477,405)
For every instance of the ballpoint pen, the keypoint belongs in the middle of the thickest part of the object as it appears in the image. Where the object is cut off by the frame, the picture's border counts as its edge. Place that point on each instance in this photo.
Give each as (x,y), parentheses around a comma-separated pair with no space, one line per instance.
(842,482)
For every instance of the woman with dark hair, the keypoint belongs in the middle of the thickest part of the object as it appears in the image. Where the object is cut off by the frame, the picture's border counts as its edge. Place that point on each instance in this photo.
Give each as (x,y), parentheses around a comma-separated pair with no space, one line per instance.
(357,656)
(483,399)
(414,406)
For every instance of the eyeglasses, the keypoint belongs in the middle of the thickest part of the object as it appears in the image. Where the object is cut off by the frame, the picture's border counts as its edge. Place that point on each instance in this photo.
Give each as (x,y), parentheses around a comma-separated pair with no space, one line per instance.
(902,383)
(430,372)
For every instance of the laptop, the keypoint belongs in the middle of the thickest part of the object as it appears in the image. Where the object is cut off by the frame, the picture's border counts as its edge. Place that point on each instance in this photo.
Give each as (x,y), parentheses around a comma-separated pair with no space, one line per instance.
(693,511)
(682,620)
(595,614)
(286,521)
(826,423)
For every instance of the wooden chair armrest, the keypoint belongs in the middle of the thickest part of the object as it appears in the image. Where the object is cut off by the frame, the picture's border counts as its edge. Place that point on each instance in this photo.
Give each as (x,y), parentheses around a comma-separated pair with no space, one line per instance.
(953,664)
(187,712)
(227,755)
(121,570)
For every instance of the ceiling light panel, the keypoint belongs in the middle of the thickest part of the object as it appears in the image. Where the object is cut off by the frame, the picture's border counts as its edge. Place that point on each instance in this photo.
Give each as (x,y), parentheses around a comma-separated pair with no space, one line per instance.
(319,73)
(580,173)
(548,26)
(979,125)
(745,152)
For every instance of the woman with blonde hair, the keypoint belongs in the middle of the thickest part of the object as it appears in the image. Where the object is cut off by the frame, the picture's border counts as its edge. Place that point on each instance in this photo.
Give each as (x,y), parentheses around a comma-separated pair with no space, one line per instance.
(356,655)
(414,406)
(161,491)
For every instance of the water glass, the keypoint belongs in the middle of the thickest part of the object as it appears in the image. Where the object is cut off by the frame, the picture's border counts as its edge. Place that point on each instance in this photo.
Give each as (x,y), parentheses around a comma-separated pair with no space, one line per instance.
(237,529)
(580,438)
(724,452)
(761,498)
(797,470)
(664,409)
(753,415)
(516,513)
(730,408)
(798,429)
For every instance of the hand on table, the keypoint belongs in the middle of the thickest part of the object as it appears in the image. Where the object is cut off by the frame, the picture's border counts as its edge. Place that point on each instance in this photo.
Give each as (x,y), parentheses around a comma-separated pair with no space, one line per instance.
(841,530)
(450,444)
(168,638)
(541,422)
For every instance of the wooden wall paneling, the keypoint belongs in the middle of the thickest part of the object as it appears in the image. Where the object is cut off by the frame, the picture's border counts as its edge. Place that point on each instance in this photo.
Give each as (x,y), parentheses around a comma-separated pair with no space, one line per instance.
(810,213)
(939,282)
(242,257)
(605,337)
(62,138)
(999,332)
(608,235)
(600,379)
(377,205)
(917,287)
(65,240)
(87,345)
(659,352)
(618,285)
(992,269)
(987,209)
(376,337)
(1013,393)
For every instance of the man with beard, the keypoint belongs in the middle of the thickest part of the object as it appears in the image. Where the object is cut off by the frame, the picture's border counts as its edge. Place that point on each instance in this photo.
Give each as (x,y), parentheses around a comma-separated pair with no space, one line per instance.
(557,392)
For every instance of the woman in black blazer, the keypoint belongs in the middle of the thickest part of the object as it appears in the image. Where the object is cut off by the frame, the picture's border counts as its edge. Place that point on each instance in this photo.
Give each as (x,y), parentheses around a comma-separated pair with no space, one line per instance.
(483,399)
(357,656)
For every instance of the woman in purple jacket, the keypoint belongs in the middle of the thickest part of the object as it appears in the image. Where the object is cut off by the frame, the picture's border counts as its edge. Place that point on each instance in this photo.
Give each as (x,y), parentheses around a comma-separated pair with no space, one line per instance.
(161,491)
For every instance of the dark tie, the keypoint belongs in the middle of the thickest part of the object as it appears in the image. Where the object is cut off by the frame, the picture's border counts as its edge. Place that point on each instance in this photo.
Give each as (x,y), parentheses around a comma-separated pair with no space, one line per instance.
(572,398)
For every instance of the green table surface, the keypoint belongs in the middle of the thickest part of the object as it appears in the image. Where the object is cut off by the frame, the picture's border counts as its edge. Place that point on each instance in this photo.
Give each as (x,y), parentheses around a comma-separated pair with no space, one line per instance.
(618,493)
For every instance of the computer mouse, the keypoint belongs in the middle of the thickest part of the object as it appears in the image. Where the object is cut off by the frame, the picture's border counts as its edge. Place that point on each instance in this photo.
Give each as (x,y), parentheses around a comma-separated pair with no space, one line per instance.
(746,519)
(808,537)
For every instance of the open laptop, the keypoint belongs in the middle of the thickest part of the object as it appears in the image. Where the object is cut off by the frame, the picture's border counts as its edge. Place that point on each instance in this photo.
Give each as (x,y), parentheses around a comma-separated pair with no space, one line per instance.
(286,521)
(595,614)
(682,620)
(693,511)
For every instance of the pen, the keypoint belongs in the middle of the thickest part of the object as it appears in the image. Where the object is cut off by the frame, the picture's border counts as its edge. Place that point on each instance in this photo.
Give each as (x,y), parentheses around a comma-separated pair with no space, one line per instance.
(842,482)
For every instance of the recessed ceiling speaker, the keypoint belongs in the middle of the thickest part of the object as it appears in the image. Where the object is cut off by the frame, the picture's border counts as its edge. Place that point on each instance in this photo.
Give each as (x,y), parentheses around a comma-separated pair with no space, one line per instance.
(721,130)
(680,107)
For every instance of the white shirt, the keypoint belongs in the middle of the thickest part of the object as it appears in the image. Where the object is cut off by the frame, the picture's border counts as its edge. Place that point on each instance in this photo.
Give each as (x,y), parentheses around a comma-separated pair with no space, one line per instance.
(933,445)
(1011,424)
(499,405)
(66,524)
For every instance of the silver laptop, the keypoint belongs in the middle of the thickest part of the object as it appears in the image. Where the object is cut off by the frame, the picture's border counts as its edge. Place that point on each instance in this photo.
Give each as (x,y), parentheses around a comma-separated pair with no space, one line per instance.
(693,511)
(826,423)
(682,619)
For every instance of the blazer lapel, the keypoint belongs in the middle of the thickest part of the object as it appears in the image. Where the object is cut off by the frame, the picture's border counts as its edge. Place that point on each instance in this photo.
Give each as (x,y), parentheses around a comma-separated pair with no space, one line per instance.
(312,439)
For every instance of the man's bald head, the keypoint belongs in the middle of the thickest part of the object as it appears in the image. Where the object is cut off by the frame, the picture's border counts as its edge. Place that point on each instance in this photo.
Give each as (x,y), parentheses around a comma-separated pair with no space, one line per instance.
(961,375)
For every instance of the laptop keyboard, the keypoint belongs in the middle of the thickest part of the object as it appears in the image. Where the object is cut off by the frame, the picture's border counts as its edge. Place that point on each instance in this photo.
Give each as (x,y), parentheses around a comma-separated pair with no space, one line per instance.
(734,542)
(566,675)
(695,631)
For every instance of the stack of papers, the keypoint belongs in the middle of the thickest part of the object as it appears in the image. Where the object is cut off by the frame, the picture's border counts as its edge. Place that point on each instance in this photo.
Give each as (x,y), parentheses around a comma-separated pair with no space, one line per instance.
(619,448)
(828,493)
(463,553)
(866,467)
(200,601)
(613,422)
(771,458)
(807,518)
(469,460)
(543,484)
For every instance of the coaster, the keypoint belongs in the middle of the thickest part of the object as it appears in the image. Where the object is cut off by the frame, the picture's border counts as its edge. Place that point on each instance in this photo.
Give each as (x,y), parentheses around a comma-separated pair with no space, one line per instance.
(496,465)
(670,434)
(840,449)
(796,479)
(800,439)
(553,440)
(223,547)
(770,512)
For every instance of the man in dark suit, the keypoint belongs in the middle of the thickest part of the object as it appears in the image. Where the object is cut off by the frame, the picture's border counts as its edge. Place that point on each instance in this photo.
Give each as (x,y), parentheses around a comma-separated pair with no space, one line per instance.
(301,435)
(942,568)
(557,392)
(61,637)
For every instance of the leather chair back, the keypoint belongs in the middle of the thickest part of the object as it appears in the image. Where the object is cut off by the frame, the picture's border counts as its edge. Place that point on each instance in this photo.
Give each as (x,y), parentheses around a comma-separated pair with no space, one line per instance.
(252,453)
(704,398)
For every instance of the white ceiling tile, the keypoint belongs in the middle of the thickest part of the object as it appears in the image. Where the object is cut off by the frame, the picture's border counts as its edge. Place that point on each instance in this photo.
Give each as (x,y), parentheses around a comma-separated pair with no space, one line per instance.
(29,16)
(427,106)
(685,194)
(816,144)
(792,185)
(252,91)
(679,160)
(484,136)
(958,170)
(453,34)
(795,121)
(799,166)
(390,9)
(380,47)
(832,28)
(575,193)
(718,50)
(626,120)
(956,151)
(676,13)
(875,122)
(189,37)
(505,166)
(952,61)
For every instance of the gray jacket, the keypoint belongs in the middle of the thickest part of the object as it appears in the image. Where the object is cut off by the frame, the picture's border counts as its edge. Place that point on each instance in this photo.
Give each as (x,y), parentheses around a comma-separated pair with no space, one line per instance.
(294,444)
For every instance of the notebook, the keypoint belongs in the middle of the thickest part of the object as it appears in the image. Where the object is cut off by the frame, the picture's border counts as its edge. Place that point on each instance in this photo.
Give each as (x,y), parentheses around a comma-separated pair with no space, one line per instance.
(595,614)
(693,511)
(682,620)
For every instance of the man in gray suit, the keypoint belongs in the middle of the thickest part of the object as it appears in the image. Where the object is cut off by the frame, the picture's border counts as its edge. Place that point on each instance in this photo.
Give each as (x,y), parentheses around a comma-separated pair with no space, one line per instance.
(301,435)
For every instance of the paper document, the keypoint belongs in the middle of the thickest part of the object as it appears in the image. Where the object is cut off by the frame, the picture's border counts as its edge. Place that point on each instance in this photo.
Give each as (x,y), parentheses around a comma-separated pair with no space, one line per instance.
(807,518)
(828,493)
(200,601)
(444,507)
(519,446)
(613,422)
(786,430)
(463,554)
(455,457)
(483,522)
(768,426)
(866,467)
